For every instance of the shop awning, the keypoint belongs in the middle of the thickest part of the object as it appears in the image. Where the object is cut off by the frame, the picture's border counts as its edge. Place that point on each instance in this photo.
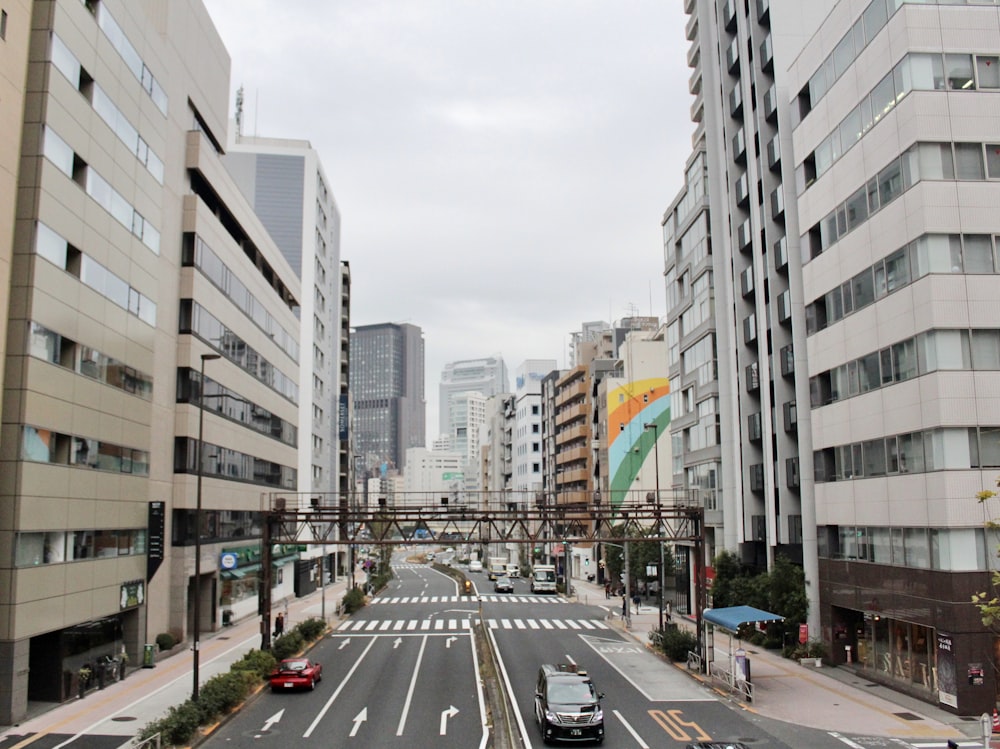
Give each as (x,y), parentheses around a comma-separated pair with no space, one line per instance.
(732,617)
(238,573)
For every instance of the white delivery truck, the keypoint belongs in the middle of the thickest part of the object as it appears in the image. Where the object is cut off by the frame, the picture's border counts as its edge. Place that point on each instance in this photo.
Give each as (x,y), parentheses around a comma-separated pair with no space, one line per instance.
(497,567)
(543,579)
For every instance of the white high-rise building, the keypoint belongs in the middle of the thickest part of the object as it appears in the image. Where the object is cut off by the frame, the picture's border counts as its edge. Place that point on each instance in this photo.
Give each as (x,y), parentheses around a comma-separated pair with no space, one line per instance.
(487,376)
(526,474)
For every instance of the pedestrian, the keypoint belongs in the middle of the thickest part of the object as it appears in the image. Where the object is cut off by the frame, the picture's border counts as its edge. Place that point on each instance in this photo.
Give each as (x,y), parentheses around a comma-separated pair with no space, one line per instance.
(624,606)
(607,589)
(279,625)
(83,677)
(636,599)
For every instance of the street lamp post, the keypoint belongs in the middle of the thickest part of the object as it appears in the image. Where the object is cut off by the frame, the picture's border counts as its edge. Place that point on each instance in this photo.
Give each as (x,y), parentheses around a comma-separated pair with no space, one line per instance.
(659,516)
(199,467)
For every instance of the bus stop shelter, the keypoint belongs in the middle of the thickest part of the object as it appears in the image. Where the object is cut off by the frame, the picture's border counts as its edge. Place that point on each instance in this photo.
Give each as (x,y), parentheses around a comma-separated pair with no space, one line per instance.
(730,619)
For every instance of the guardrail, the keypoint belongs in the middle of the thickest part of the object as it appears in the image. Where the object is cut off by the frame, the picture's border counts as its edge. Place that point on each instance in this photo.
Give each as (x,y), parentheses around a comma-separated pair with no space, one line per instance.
(740,687)
(694,661)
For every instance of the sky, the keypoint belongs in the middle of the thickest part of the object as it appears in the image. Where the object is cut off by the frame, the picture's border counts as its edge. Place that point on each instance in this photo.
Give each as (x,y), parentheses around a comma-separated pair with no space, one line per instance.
(501,166)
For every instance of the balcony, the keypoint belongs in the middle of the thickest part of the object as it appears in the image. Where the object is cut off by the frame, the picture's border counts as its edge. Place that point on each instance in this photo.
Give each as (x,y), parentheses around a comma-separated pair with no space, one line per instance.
(691,29)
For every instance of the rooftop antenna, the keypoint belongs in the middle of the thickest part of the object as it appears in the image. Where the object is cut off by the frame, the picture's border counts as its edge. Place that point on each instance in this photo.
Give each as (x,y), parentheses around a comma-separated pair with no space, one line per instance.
(239,112)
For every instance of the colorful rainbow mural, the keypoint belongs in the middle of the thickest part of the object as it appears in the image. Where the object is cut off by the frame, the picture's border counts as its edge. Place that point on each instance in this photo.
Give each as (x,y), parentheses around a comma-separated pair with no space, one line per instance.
(628,412)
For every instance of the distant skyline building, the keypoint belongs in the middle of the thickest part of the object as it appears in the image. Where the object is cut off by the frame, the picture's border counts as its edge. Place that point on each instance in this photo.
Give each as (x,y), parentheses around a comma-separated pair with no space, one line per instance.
(387,386)
(487,376)
(527,436)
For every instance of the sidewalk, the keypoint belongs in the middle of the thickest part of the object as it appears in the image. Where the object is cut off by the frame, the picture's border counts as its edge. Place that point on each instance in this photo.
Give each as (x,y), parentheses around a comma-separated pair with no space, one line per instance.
(826,698)
(125,707)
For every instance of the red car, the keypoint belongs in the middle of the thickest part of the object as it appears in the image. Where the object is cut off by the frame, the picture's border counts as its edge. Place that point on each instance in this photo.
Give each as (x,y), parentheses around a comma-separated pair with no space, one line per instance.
(296,672)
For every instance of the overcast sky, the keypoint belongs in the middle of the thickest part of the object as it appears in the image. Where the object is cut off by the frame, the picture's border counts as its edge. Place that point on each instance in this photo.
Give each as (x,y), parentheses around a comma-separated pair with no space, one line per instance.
(501,166)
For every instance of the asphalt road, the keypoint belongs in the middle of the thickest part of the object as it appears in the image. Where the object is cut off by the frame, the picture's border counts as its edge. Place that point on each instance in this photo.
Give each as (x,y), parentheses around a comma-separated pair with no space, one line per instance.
(401,674)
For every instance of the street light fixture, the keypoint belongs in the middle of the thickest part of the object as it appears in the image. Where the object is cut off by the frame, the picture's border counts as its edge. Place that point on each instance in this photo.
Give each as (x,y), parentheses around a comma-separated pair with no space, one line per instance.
(659,517)
(196,609)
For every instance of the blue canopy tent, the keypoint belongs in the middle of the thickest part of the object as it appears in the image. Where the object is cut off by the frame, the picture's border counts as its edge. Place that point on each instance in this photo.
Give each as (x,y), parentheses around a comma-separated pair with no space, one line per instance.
(731,619)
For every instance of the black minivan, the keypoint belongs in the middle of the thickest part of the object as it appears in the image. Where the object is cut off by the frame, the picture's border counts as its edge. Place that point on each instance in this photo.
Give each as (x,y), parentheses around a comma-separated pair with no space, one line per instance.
(567,706)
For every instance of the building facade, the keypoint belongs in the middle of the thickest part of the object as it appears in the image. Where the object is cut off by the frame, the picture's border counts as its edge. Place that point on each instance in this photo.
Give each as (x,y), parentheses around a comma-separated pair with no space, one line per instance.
(894,131)
(487,376)
(387,387)
(735,333)
(527,436)
(137,266)
(284,181)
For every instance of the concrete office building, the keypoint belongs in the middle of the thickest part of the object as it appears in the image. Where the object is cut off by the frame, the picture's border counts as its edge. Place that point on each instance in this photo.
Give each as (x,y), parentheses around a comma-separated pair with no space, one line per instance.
(387,386)
(286,184)
(136,263)
(893,110)
(734,334)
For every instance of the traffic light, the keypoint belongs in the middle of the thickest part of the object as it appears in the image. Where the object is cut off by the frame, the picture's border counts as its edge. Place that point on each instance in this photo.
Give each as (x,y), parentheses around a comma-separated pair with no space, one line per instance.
(586,562)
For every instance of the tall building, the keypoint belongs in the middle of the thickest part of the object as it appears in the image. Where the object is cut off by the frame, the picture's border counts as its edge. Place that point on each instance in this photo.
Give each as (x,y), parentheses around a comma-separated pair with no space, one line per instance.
(735,334)
(284,181)
(387,387)
(527,444)
(487,376)
(894,128)
(137,265)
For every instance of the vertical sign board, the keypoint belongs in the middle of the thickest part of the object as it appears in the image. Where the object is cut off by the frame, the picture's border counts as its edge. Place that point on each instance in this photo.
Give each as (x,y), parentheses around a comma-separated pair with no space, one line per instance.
(947,677)
(342,425)
(156,526)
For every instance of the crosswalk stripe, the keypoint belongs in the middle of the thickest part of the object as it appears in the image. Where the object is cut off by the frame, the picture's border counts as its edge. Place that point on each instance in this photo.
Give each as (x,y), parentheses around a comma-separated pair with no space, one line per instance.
(385,625)
(452,624)
(397,625)
(532,624)
(491,623)
(559,624)
(519,624)
(547,624)
(425,624)
(485,597)
(439,624)
(412,624)
(586,624)
(374,623)
(505,623)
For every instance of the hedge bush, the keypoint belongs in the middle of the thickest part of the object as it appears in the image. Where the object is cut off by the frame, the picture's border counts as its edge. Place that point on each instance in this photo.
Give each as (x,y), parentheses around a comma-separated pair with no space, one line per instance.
(223,693)
(353,600)
(287,645)
(165,641)
(675,643)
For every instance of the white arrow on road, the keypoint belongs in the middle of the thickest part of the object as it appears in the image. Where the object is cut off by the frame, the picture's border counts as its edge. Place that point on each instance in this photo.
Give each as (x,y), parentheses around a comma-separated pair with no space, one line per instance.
(344,643)
(271,721)
(451,712)
(358,720)
(396,642)
(449,641)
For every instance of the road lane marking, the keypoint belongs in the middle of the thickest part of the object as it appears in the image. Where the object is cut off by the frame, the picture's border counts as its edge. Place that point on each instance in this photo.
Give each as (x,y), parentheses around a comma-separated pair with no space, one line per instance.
(338,690)
(413,684)
(638,739)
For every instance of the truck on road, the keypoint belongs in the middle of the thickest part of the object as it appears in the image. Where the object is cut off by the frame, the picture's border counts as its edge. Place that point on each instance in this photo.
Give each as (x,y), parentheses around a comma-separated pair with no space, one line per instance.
(543,578)
(497,567)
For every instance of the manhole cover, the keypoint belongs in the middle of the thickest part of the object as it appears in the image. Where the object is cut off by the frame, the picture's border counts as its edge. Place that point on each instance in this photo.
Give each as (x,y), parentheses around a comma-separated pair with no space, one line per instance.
(908,716)
(123,718)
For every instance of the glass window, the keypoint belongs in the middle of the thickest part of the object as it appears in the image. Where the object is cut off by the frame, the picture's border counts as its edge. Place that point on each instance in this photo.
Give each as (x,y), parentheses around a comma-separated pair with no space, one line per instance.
(897,270)
(911,453)
(843,55)
(904,360)
(65,62)
(969,161)
(43,343)
(58,152)
(868,373)
(993,160)
(30,549)
(50,245)
(874,452)
(958,70)
(986,349)
(863,289)
(890,183)
(850,129)
(989,447)
(875,17)
(857,208)
(977,250)
(937,253)
(988,71)
(917,545)
(934,161)
(883,97)
(38,444)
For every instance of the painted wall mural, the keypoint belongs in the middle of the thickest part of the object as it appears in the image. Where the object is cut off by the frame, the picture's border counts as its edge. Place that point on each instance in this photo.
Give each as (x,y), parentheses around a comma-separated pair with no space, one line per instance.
(631,406)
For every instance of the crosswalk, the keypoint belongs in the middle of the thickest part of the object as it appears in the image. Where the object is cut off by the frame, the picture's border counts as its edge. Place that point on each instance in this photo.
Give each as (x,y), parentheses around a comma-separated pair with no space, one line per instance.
(453,625)
(456,599)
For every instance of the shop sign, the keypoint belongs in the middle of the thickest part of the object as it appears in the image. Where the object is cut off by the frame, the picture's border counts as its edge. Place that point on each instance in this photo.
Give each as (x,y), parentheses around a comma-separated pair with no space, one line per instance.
(133,593)
(976,675)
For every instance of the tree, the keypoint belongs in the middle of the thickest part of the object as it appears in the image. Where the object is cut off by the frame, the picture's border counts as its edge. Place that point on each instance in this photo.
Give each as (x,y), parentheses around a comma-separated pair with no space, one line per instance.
(988,601)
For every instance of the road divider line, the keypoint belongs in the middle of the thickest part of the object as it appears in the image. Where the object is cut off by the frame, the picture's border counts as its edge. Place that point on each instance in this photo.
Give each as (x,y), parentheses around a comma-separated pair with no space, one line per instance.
(338,690)
(413,685)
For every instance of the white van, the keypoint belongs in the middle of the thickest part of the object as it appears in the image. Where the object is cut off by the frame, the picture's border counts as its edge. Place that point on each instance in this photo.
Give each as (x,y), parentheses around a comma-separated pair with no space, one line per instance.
(513,570)
(475,566)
